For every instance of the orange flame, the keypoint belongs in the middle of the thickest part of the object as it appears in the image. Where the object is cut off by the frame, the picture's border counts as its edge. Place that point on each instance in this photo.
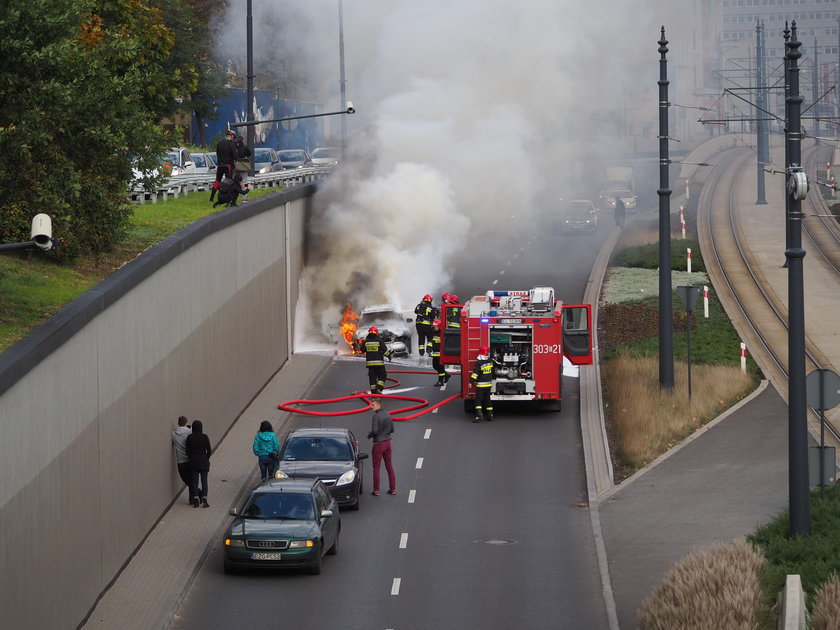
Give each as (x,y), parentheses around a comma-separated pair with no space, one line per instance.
(349,322)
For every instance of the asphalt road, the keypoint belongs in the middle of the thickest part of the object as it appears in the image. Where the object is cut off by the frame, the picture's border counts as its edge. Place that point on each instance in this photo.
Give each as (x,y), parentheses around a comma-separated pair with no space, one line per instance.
(490,527)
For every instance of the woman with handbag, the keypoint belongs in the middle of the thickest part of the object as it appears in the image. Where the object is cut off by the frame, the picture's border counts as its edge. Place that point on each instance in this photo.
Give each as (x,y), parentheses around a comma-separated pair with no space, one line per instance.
(267,449)
(242,164)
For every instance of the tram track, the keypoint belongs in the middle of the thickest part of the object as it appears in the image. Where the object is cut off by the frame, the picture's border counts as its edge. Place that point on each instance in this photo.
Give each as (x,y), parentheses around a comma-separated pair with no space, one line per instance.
(753,293)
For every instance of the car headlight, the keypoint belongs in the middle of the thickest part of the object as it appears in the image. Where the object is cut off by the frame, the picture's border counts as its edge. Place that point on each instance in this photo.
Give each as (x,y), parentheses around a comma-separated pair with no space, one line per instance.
(281,475)
(265,169)
(346,478)
(234,542)
(301,544)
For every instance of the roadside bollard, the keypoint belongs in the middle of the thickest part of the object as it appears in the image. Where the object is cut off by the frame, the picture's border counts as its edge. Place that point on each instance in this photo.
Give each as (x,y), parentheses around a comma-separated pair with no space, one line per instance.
(743,357)
(682,221)
(705,301)
(688,259)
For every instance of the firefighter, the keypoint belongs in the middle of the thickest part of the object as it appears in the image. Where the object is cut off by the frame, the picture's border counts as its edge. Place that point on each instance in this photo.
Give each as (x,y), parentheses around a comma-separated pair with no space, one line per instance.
(444,299)
(453,315)
(423,322)
(375,354)
(482,377)
(434,352)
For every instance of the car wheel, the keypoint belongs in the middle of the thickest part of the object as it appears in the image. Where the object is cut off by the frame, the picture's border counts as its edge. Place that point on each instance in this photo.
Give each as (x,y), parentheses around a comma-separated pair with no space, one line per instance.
(334,549)
(315,568)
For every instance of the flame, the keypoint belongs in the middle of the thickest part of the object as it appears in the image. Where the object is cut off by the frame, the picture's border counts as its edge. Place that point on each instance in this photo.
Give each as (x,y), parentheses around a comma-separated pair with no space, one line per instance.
(349,322)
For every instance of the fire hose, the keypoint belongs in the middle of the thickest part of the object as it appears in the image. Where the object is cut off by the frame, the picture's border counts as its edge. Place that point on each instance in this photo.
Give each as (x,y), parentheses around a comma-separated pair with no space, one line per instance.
(422,407)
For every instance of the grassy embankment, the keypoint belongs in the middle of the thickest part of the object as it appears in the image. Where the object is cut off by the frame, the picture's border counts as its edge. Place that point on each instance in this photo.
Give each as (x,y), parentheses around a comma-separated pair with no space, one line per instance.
(34,287)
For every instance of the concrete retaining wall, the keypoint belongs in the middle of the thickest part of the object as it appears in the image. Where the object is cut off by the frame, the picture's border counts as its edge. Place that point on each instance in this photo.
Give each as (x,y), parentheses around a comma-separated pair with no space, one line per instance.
(193,326)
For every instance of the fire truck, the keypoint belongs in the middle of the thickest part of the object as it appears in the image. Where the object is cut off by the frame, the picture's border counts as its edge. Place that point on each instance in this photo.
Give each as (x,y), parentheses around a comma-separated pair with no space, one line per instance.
(528,332)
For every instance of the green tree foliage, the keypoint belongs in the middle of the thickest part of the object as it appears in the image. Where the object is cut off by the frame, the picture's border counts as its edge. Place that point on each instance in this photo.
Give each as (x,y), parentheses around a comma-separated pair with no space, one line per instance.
(82,92)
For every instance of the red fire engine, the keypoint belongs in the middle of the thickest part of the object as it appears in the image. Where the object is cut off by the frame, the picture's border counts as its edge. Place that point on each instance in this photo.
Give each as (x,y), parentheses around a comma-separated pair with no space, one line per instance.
(528,332)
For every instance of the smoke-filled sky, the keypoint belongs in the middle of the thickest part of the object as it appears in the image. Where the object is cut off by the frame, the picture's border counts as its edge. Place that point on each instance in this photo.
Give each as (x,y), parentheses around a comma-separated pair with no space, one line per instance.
(468,110)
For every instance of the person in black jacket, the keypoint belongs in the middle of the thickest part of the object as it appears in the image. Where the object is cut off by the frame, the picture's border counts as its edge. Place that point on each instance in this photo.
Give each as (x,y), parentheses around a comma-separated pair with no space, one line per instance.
(375,354)
(225,157)
(243,154)
(482,378)
(199,451)
(230,189)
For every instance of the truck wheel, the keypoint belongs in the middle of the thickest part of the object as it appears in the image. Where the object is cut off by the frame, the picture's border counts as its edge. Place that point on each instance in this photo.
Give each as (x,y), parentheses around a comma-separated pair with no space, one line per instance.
(551,405)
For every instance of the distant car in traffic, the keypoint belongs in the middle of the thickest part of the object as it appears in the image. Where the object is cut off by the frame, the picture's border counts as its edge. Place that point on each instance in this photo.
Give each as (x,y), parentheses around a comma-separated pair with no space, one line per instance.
(625,194)
(284,524)
(326,156)
(394,328)
(265,160)
(180,161)
(577,215)
(331,455)
(204,162)
(294,158)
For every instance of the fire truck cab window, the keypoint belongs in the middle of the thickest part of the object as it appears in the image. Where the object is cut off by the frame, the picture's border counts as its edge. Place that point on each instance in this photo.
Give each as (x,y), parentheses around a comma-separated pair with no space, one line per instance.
(574,319)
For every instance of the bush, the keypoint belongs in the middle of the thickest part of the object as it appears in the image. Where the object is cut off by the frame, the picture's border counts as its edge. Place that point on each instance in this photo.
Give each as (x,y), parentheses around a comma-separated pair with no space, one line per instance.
(714,588)
(826,612)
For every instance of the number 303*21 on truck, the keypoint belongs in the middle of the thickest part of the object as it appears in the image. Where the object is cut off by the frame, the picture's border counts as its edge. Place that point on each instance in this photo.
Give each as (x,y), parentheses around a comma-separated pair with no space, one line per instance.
(528,333)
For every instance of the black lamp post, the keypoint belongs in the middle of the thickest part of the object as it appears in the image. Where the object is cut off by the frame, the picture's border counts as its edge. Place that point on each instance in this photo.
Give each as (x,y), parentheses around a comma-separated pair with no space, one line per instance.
(666,308)
(797,188)
(762,145)
(249,79)
(342,82)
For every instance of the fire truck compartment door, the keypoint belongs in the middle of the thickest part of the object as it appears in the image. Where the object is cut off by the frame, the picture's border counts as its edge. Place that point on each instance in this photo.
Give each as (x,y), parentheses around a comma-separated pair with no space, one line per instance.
(577,333)
(450,338)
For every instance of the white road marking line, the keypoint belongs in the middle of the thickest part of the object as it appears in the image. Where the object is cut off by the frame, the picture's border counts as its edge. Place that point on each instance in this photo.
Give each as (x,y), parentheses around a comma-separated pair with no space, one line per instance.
(495,282)
(419,463)
(515,255)
(411,495)
(427,433)
(395,587)
(502,272)
(435,410)
(404,540)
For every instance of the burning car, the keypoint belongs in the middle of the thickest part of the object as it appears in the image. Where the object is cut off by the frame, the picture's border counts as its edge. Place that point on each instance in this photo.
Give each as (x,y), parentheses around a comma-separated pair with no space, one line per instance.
(395,328)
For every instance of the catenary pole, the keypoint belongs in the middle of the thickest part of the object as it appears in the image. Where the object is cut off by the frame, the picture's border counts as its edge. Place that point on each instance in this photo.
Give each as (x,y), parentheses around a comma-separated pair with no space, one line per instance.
(666,317)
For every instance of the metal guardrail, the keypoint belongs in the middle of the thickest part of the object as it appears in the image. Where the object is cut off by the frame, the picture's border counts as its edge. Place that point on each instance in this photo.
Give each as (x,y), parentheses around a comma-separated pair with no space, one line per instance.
(190,182)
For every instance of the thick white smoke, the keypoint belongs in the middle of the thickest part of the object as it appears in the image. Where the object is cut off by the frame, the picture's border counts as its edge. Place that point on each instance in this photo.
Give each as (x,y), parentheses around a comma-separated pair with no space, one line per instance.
(469,112)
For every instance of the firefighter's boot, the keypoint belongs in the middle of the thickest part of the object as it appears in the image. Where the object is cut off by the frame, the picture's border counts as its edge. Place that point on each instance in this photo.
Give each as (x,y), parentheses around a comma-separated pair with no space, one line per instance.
(440,382)
(489,416)
(478,416)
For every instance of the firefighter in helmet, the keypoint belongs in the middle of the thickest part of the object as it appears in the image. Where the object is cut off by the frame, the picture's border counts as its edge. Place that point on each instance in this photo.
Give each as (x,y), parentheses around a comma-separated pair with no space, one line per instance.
(375,354)
(482,377)
(444,299)
(423,321)
(453,314)
(434,352)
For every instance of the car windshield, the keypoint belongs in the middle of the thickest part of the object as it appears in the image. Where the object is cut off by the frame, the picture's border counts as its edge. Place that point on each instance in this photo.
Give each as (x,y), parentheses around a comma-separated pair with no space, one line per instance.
(622,193)
(277,505)
(325,153)
(291,156)
(381,318)
(316,449)
(172,157)
(262,155)
(579,210)
(199,160)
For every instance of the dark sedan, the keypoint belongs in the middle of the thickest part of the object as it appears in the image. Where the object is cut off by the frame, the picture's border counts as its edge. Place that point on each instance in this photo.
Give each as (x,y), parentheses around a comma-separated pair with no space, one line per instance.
(283,524)
(331,455)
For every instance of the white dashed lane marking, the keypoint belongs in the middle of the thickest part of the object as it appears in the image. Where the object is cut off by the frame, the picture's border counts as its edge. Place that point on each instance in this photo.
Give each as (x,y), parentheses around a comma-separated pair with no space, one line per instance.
(419,463)
(411,495)
(404,540)
(395,587)
(427,434)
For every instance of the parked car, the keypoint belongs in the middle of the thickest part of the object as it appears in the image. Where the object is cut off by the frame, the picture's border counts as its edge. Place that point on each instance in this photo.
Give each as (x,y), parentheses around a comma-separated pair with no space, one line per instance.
(577,215)
(326,156)
(204,162)
(625,194)
(331,455)
(284,524)
(394,328)
(265,160)
(294,158)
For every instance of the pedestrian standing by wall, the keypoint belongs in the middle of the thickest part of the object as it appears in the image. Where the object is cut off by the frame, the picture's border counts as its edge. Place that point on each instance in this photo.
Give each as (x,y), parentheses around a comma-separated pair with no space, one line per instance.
(482,377)
(225,157)
(619,212)
(199,451)
(375,354)
(179,441)
(242,164)
(267,449)
(381,429)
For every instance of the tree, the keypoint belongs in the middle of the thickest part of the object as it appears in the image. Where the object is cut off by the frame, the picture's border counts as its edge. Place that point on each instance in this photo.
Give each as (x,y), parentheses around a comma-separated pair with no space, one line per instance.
(80,104)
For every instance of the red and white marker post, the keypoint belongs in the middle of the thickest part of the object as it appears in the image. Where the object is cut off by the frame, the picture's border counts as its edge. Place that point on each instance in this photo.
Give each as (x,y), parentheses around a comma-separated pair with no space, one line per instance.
(743,357)
(682,221)
(705,301)
(688,259)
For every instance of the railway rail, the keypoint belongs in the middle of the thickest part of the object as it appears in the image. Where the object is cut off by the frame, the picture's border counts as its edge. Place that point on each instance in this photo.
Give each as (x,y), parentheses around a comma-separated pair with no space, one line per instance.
(753,293)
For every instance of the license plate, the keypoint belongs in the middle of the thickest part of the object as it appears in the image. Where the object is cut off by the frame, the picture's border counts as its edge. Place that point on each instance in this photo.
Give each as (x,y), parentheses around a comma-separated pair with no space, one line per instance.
(265,556)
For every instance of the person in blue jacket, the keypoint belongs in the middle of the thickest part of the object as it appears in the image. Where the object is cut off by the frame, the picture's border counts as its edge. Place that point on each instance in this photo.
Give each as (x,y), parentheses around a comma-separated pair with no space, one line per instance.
(267,449)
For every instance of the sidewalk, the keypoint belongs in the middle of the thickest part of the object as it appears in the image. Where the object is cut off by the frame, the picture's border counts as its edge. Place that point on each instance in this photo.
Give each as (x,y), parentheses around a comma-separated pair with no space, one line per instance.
(149,590)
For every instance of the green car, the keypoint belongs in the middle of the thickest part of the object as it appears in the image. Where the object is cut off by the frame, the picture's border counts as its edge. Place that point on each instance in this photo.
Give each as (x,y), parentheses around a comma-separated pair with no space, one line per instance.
(284,524)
